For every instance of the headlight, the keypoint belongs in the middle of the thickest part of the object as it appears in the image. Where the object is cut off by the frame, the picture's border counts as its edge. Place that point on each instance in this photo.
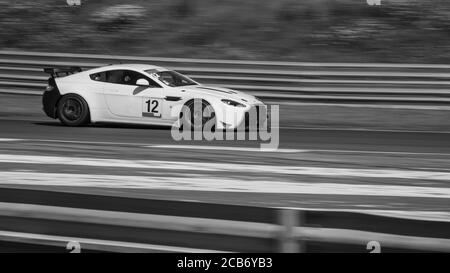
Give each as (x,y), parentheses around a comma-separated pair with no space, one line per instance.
(233,103)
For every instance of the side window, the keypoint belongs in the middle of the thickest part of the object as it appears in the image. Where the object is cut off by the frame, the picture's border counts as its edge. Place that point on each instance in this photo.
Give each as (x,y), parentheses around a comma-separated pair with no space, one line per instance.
(130,77)
(99,77)
(115,76)
(167,78)
(127,77)
(172,78)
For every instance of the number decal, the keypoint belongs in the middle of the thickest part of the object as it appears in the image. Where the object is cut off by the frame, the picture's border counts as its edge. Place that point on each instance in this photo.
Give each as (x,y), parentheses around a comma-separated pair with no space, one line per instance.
(155,104)
(151,107)
(148,105)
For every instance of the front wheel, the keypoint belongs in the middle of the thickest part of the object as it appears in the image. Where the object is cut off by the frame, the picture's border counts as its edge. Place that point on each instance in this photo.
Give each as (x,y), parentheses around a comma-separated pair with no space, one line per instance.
(73,110)
(196,114)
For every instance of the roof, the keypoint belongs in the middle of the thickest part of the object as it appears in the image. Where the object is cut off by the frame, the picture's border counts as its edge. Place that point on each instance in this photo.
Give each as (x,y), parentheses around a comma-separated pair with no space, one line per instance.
(139,67)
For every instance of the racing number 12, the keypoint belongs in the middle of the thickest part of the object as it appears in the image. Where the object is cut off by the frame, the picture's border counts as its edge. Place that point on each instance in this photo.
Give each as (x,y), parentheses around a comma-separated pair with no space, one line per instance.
(153,103)
(151,107)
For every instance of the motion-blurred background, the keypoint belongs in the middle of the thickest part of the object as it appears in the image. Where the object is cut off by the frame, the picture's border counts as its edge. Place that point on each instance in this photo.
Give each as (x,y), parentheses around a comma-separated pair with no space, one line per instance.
(364,128)
(306,30)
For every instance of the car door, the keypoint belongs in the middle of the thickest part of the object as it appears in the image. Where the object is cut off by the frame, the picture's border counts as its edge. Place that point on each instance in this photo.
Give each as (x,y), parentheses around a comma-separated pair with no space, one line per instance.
(126,99)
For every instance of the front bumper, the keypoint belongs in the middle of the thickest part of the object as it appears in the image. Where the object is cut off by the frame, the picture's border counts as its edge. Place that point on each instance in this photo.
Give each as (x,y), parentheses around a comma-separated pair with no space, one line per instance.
(249,118)
(256,116)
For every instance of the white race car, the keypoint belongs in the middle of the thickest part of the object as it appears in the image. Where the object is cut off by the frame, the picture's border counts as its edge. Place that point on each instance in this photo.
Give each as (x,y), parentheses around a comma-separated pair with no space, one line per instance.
(142,94)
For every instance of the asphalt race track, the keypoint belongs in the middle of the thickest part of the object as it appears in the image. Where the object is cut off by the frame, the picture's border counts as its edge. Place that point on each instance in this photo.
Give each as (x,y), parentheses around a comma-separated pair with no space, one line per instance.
(387,172)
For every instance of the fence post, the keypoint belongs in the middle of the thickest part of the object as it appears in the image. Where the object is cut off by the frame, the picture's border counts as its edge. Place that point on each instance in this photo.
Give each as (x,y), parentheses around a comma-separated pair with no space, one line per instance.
(288,219)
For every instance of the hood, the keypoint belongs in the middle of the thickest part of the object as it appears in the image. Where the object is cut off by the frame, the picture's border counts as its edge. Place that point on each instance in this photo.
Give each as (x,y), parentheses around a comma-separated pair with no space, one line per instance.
(225,93)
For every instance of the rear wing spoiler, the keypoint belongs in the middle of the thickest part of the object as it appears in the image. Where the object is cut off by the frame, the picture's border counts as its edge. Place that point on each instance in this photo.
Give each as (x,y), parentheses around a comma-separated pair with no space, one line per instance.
(62,71)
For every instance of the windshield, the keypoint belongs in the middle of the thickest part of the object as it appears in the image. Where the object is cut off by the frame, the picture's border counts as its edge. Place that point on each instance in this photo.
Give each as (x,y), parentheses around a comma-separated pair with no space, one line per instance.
(172,78)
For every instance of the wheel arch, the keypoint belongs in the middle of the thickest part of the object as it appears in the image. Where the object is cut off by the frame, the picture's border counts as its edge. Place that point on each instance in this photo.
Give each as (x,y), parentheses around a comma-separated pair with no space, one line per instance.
(193,99)
(74,94)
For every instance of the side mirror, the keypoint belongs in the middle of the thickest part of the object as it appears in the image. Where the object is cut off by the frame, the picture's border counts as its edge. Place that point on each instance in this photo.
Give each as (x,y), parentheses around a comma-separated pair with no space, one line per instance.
(142,82)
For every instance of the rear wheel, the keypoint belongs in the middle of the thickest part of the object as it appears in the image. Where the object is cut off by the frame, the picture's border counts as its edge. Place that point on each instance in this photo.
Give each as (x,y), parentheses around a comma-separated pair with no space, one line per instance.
(73,110)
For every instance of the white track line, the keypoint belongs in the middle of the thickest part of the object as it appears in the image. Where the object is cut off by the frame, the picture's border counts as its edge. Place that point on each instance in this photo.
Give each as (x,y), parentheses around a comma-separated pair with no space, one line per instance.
(248,149)
(224,148)
(362,130)
(217,184)
(77,142)
(250,169)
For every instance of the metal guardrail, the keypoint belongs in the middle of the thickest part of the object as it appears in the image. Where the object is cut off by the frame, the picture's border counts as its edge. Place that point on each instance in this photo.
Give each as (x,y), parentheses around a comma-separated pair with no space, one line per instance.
(117,224)
(300,81)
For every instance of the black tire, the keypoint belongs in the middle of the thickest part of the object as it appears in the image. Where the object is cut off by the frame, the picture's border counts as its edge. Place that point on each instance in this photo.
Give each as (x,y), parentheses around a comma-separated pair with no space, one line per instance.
(73,110)
(207,114)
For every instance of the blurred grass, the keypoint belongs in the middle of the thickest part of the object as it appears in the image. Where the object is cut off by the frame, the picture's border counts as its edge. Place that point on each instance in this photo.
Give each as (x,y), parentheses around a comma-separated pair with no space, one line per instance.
(297,30)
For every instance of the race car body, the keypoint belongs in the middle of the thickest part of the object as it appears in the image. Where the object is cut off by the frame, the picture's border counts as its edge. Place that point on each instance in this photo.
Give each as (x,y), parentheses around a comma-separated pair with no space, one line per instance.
(140,94)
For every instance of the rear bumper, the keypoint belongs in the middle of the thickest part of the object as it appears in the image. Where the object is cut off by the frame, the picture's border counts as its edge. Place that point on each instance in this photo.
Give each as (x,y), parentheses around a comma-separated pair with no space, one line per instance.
(49,102)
